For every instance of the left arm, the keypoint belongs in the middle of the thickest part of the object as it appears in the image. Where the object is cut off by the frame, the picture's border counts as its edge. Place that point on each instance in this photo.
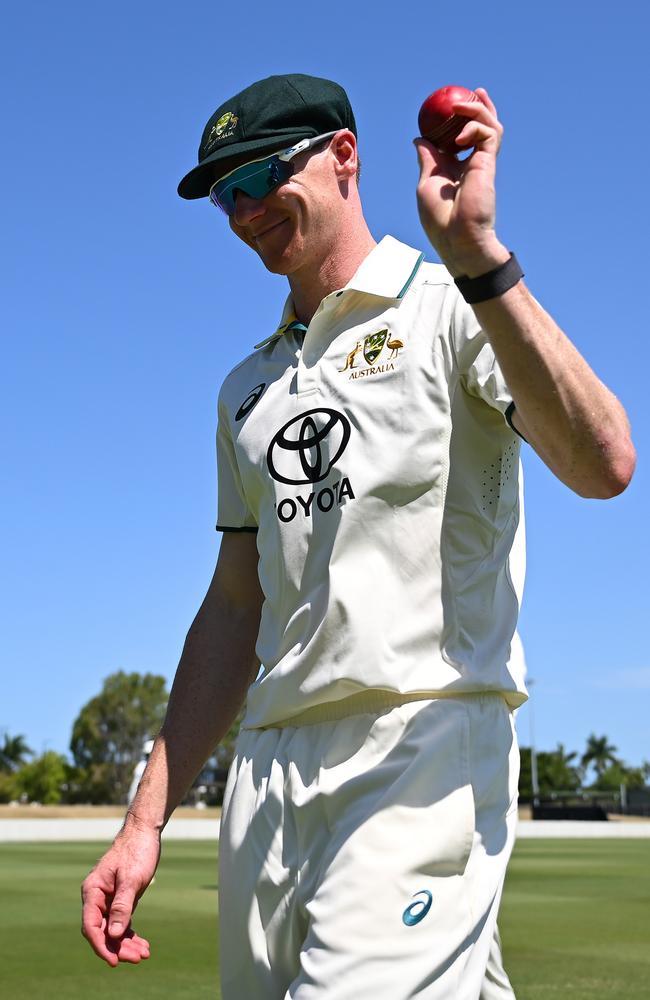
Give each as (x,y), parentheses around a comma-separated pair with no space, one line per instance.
(574,423)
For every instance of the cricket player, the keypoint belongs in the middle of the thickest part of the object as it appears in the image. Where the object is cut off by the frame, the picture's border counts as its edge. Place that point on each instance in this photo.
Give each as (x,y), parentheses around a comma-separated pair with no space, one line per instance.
(365,598)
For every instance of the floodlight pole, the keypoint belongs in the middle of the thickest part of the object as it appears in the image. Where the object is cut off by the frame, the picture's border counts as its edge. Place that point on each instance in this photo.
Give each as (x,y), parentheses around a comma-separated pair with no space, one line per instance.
(533,753)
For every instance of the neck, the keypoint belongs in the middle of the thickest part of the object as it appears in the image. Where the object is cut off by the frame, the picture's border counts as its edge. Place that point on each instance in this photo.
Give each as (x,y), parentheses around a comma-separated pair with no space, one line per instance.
(332,272)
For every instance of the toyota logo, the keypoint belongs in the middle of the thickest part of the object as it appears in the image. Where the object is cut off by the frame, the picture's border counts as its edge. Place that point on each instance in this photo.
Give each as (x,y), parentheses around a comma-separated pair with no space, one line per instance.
(316,438)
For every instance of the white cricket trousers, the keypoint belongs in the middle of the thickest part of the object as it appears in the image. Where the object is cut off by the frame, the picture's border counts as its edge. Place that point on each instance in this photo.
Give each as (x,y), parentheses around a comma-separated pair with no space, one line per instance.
(364,858)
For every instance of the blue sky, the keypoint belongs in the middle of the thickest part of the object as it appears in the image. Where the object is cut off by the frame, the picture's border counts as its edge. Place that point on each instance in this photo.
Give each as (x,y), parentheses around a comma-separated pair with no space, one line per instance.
(123,307)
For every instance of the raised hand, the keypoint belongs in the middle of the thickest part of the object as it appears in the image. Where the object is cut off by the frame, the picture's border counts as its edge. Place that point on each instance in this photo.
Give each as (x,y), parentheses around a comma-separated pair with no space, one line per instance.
(456,198)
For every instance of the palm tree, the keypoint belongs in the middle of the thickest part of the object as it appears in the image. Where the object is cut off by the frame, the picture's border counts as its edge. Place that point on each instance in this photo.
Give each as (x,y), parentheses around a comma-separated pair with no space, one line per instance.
(558,771)
(599,753)
(13,752)
(565,758)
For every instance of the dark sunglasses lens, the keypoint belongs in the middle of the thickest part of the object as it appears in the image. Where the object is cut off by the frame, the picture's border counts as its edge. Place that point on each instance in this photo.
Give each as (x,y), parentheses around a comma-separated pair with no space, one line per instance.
(214,198)
(255,180)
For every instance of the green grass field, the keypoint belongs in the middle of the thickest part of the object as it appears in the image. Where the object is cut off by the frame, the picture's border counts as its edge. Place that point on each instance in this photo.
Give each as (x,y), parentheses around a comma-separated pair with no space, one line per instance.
(575,923)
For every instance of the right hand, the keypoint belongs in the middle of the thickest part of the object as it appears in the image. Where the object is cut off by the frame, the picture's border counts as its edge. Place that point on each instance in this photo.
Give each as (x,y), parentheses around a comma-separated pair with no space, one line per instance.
(456,198)
(110,894)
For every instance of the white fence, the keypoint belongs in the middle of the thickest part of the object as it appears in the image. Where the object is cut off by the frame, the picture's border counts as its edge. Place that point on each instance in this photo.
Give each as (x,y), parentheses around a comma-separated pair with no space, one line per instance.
(29,830)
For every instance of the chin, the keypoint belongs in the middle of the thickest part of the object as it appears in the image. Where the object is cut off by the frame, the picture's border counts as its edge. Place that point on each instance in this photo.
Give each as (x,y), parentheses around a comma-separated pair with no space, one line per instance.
(274,263)
(284,261)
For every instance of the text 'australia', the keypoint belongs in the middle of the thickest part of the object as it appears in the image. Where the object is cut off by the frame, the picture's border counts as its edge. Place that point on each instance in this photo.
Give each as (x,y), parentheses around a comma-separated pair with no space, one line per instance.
(324,500)
(377,370)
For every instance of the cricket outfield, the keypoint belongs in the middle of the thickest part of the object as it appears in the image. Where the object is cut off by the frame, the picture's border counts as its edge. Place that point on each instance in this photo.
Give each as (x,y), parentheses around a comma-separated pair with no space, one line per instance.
(574,923)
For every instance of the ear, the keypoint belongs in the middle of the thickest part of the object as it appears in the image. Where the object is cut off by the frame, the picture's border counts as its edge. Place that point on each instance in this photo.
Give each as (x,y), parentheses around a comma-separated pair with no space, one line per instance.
(344,148)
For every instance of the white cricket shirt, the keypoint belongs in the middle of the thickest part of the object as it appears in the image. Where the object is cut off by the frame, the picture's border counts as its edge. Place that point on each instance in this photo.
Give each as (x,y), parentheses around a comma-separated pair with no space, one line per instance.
(377,466)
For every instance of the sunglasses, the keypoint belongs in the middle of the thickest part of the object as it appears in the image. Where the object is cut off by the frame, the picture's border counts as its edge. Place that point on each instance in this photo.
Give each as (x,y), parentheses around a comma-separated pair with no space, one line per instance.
(259,177)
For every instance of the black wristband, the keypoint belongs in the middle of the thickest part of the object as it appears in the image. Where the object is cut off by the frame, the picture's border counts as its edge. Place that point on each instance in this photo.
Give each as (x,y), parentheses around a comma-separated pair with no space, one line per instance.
(488,286)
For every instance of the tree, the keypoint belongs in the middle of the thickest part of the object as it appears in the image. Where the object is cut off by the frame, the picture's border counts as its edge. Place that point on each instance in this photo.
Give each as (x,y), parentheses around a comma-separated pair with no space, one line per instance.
(617,774)
(108,734)
(599,753)
(556,772)
(214,772)
(13,753)
(42,779)
(8,790)
(560,771)
(225,750)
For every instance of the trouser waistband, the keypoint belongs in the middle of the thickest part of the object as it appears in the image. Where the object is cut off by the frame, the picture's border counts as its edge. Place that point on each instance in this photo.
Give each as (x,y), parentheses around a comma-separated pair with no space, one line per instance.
(370,702)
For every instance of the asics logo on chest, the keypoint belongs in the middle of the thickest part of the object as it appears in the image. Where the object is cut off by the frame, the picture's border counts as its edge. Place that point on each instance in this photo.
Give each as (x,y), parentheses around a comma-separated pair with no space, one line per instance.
(251,400)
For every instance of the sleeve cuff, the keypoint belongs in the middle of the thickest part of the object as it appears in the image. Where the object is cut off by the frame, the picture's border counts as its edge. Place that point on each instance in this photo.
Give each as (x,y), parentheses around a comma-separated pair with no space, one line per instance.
(508,416)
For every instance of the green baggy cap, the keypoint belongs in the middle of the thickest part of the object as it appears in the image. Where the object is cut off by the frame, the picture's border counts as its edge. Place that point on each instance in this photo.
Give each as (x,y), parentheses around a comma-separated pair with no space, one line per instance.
(270,115)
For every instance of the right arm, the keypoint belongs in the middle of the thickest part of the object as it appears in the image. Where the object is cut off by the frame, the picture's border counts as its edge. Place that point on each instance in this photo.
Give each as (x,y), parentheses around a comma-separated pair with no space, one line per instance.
(216,668)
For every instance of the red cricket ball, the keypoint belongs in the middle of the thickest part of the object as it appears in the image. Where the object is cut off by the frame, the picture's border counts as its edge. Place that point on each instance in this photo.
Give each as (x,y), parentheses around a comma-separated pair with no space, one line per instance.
(437,121)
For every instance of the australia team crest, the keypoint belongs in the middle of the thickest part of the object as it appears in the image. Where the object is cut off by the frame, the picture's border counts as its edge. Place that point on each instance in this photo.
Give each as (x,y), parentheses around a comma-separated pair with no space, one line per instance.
(373,345)
(379,346)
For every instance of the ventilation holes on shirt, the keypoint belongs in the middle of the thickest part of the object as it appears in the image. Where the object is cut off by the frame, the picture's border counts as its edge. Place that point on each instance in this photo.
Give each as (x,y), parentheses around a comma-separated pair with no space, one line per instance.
(490,486)
(495,476)
(508,463)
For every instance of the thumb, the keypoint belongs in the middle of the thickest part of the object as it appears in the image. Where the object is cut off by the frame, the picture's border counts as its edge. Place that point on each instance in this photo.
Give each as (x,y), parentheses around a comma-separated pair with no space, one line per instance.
(121,909)
(427,159)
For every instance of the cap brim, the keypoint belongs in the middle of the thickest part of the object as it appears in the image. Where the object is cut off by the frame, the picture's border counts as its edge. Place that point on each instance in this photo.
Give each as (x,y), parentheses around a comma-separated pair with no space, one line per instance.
(198,182)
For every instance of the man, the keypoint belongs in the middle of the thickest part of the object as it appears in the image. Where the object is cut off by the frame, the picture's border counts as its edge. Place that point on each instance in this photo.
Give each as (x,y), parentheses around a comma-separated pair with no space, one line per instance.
(371,563)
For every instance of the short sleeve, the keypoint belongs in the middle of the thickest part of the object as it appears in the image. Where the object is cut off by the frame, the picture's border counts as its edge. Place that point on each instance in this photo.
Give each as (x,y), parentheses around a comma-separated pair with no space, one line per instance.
(233,512)
(478,368)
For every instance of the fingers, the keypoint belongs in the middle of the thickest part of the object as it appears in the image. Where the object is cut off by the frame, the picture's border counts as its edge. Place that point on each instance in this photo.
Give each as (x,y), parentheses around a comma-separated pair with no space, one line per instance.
(433,161)
(483,109)
(126,947)
(121,908)
(93,923)
(106,919)
(142,945)
(129,948)
(484,128)
(485,97)
(475,134)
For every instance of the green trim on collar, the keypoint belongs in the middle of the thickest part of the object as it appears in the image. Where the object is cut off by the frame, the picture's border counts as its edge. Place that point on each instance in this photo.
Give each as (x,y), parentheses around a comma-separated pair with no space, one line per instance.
(263,343)
(383,272)
(294,324)
(411,277)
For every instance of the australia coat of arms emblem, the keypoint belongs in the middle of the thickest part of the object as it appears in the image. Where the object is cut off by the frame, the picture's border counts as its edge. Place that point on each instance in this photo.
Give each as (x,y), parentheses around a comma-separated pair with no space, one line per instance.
(373,345)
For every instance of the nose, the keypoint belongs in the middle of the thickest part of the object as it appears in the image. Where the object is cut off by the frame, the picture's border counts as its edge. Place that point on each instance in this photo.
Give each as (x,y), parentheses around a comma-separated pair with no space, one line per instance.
(247,208)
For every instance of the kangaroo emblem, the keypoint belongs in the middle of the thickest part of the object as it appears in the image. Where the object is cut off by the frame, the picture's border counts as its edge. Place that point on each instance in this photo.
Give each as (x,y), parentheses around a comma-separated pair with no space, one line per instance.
(349,362)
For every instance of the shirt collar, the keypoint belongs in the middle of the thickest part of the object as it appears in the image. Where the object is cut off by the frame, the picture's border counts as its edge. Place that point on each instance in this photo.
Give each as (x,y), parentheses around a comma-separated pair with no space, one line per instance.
(288,322)
(386,272)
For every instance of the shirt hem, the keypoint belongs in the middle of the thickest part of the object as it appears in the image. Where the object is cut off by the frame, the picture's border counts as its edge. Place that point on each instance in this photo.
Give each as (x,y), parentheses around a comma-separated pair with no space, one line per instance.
(365,702)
